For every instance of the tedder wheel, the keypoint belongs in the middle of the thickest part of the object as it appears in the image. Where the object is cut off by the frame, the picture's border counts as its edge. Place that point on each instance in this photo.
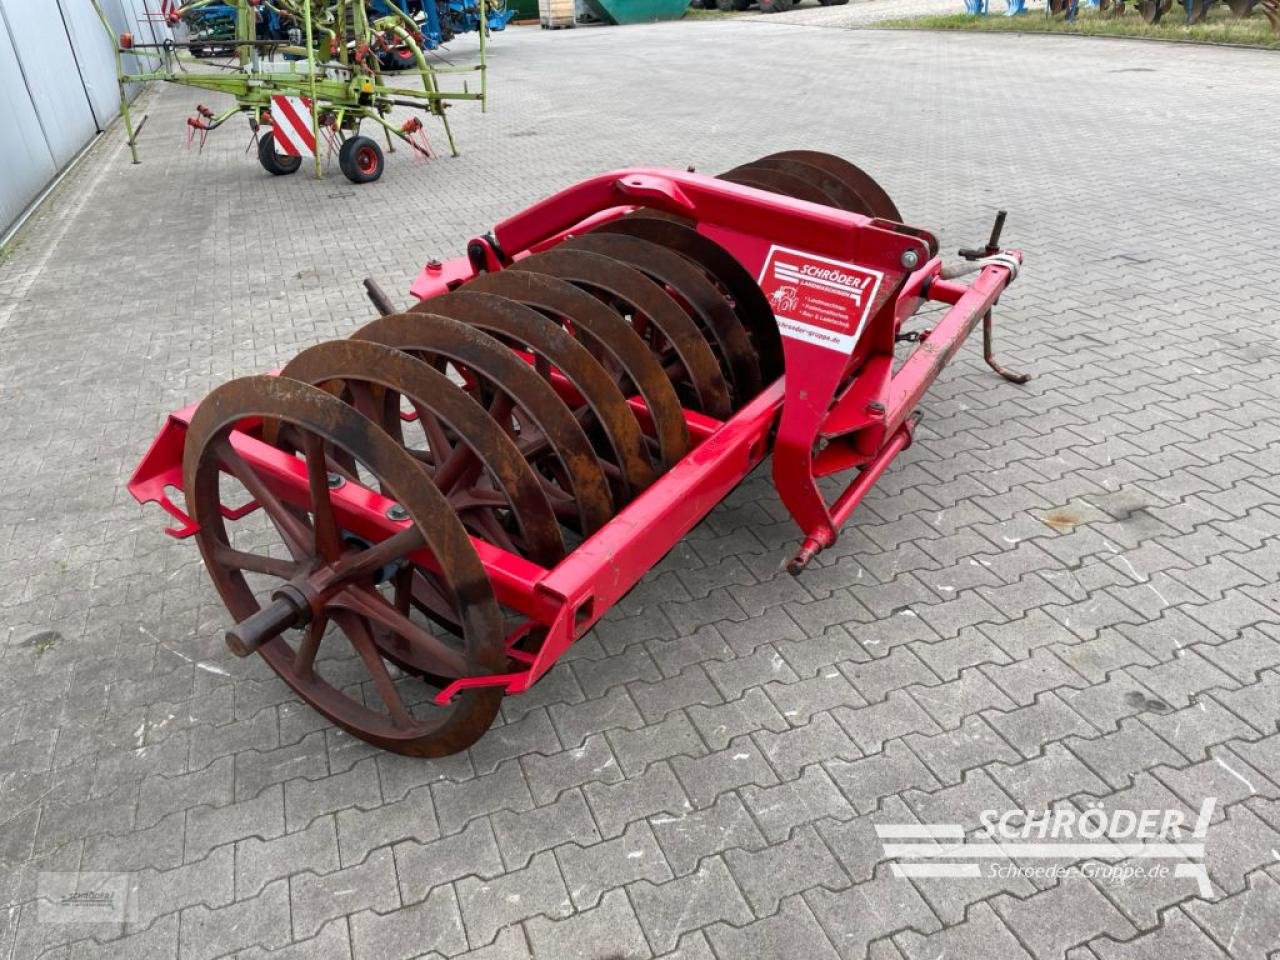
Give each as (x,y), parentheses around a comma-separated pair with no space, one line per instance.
(1241,8)
(360,159)
(1152,11)
(275,163)
(289,563)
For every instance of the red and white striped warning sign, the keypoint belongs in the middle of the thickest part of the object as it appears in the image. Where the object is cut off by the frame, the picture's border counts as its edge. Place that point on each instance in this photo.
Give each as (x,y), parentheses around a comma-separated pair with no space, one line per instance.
(292,126)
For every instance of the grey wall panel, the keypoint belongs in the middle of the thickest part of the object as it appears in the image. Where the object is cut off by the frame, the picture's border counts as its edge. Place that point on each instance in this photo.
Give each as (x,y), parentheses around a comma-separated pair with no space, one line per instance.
(93,53)
(51,75)
(28,163)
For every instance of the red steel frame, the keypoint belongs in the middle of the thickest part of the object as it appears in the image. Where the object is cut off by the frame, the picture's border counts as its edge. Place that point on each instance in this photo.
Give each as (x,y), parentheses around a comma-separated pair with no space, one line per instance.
(849,408)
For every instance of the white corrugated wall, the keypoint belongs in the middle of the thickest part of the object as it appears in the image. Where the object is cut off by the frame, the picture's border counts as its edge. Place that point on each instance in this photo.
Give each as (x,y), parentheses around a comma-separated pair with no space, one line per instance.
(57,87)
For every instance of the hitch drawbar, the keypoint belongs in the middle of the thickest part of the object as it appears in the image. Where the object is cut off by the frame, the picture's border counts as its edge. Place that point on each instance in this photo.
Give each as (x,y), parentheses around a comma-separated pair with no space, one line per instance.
(412,522)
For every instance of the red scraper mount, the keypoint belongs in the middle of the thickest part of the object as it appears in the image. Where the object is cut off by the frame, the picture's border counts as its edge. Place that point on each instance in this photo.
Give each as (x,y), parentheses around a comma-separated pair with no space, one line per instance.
(411,523)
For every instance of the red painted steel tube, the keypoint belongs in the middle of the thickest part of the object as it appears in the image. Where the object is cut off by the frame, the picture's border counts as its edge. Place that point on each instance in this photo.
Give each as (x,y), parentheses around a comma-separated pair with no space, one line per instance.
(926,362)
(785,220)
(850,498)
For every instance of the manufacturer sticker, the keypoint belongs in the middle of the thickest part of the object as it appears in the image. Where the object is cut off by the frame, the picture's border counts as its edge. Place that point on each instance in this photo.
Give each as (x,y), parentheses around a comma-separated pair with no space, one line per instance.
(821,301)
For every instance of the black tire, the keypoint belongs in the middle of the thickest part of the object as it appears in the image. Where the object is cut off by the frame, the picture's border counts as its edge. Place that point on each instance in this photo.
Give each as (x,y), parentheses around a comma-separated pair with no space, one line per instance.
(776,6)
(361,160)
(274,163)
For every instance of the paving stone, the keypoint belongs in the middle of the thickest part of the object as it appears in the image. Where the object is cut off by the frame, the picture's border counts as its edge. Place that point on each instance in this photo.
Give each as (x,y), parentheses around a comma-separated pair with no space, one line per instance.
(655,791)
(304,800)
(869,780)
(809,798)
(421,867)
(157,942)
(432,924)
(1053,920)
(792,751)
(688,903)
(792,932)
(1038,783)
(687,838)
(857,844)
(1245,924)
(209,827)
(315,900)
(1177,937)
(588,871)
(597,677)
(260,921)
(898,714)
(458,803)
(259,862)
(160,796)
(255,770)
(360,831)
(981,934)
(792,866)
(722,723)
(674,736)
(532,733)
(949,703)
(1028,729)
(489,905)
(950,753)
(656,700)
(520,835)
(333,942)
(933,663)
(705,778)
(854,917)
(1116,757)
(547,777)
(612,925)
(576,722)
(210,881)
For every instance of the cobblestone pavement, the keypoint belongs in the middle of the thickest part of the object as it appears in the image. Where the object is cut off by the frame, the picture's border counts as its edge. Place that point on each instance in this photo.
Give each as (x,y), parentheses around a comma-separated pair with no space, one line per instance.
(702,776)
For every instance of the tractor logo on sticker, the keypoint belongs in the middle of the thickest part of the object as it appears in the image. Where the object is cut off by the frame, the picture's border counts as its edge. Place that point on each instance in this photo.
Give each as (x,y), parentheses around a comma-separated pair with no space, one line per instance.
(784,299)
(821,301)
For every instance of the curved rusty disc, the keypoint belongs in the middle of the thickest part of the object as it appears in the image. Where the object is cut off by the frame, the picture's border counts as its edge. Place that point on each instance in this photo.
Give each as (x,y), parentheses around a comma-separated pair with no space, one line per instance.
(778,181)
(843,196)
(341,579)
(857,179)
(547,428)
(471,459)
(708,306)
(653,313)
(623,446)
(723,268)
(619,346)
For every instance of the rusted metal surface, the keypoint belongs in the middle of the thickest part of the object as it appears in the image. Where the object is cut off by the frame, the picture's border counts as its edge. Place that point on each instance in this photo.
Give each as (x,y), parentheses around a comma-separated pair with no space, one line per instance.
(612,341)
(728,275)
(486,481)
(329,583)
(766,177)
(856,179)
(547,435)
(718,326)
(670,333)
(600,405)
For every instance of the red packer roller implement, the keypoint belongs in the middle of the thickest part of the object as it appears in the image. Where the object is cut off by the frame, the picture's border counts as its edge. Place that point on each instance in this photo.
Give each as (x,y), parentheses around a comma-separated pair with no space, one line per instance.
(411,523)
